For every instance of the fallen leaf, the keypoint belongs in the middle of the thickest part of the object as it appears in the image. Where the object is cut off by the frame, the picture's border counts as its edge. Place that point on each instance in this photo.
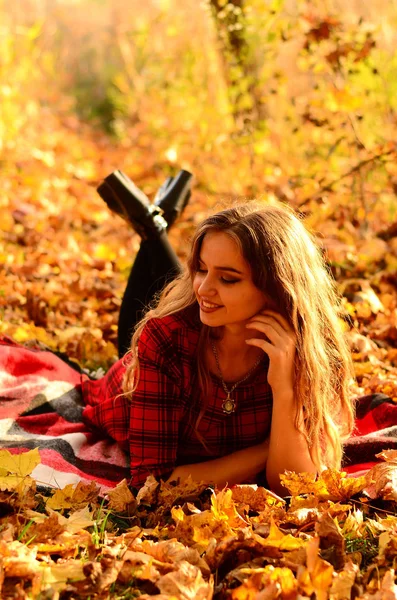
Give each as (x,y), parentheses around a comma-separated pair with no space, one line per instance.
(332,541)
(384,481)
(255,497)
(72,496)
(21,464)
(147,493)
(121,498)
(318,576)
(341,587)
(187,583)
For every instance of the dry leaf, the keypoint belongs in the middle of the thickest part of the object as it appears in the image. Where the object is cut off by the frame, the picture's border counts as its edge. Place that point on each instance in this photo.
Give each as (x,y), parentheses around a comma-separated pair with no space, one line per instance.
(317,578)
(121,498)
(340,487)
(384,481)
(255,497)
(278,539)
(330,485)
(342,584)
(19,464)
(48,529)
(73,496)
(172,551)
(303,483)
(148,492)
(186,490)
(187,583)
(332,542)
(224,509)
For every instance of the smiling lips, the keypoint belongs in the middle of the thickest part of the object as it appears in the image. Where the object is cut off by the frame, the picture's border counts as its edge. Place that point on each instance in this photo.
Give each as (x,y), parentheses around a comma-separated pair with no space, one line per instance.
(208,307)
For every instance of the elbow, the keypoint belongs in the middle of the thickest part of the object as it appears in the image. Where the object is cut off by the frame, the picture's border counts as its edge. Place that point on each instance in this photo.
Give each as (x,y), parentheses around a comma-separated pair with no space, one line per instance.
(175,475)
(274,483)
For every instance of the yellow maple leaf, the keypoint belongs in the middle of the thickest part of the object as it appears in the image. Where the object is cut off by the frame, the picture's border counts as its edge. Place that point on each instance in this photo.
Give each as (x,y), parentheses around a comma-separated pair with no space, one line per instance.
(277,539)
(198,529)
(78,520)
(19,464)
(249,589)
(61,498)
(270,579)
(302,483)
(388,455)
(15,470)
(320,571)
(73,497)
(224,509)
(341,487)
(14,483)
(255,497)
(330,485)
(186,582)
(384,479)
(170,494)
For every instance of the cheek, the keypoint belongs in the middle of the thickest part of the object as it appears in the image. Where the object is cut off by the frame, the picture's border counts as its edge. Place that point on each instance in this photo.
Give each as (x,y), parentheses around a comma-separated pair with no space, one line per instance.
(254,301)
(196,282)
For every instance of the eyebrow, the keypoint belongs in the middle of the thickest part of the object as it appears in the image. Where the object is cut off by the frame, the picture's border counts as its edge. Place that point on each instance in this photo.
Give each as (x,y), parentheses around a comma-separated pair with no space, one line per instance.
(220,268)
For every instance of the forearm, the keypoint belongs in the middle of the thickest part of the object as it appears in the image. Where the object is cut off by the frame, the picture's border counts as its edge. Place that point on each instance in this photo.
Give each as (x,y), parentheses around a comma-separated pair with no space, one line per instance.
(230,469)
(288,447)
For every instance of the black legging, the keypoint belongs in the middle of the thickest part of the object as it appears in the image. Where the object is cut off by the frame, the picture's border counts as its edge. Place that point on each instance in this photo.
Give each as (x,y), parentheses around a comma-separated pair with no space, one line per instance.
(155,265)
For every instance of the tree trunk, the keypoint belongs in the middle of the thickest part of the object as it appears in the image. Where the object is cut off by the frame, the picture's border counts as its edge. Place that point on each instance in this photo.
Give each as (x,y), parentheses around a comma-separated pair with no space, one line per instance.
(240,70)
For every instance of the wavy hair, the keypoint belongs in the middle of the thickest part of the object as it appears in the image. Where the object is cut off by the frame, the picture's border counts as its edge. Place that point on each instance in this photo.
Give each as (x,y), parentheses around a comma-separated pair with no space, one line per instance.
(287,265)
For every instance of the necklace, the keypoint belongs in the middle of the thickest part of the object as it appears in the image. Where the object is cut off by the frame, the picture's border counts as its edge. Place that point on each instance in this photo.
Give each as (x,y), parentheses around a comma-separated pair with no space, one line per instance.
(229,404)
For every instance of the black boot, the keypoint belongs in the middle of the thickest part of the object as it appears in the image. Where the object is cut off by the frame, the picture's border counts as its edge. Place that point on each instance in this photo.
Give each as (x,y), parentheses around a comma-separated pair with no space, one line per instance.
(125,198)
(162,189)
(174,195)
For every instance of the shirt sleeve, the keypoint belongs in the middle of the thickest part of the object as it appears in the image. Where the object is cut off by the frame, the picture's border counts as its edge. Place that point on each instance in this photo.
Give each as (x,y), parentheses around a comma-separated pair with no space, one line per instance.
(156,405)
(107,408)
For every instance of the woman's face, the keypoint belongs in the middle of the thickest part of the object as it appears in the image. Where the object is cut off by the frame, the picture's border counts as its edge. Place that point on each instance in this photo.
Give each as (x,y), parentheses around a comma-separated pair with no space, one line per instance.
(223,284)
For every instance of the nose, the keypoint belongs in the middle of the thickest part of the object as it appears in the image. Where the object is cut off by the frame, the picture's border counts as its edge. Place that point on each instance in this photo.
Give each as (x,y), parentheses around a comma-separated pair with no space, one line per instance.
(206,287)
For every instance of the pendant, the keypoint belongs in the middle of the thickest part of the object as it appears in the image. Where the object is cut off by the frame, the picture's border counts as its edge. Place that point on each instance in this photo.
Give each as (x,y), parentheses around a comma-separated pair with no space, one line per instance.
(228,405)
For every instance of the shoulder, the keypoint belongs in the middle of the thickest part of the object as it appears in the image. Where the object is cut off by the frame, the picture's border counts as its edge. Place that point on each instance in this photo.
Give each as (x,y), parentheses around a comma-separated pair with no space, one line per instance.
(176,333)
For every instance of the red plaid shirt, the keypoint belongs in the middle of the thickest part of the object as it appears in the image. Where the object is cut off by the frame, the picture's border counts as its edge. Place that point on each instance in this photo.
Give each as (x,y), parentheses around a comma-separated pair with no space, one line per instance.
(158,426)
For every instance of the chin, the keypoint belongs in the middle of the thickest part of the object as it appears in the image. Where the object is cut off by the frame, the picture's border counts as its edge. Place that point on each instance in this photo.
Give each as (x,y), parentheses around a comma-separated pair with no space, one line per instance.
(210,320)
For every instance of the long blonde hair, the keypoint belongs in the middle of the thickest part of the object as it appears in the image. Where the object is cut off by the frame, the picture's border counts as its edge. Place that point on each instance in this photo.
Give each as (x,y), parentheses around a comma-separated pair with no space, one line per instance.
(287,265)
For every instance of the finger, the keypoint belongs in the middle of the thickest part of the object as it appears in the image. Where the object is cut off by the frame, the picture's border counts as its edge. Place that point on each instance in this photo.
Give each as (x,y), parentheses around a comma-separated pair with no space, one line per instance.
(282,329)
(261,321)
(277,316)
(274,336)
(267,321)
(267,347)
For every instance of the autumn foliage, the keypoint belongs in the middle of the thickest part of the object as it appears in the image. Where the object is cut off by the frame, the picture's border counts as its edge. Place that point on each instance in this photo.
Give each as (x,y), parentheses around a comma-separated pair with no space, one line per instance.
(288,101)
(191,541)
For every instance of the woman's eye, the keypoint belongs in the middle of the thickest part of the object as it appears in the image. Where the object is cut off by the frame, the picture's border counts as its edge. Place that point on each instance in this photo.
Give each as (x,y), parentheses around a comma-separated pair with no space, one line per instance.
(224,280)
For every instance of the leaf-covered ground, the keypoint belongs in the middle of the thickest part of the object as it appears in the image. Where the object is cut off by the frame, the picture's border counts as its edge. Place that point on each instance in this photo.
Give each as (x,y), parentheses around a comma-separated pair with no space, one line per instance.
(332,538)
(64,260)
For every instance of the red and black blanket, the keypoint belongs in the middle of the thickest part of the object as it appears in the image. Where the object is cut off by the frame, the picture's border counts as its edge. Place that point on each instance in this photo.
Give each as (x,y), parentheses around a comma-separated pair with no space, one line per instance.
(41,407)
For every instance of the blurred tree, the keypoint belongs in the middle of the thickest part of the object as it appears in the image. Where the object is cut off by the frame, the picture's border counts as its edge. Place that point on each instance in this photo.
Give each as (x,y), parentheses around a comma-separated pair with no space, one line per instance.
(240,67)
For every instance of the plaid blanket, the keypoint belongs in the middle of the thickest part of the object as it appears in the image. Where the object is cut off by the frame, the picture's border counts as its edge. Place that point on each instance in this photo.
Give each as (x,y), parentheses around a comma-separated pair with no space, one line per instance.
(41,406)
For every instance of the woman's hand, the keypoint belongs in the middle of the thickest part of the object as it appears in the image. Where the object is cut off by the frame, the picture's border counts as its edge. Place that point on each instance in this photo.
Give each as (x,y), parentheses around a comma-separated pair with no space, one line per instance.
(288,446)
(278,340)
(234,468)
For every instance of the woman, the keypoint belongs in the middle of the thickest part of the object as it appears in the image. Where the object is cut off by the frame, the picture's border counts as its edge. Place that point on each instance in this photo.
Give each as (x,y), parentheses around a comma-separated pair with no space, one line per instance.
(241,367)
